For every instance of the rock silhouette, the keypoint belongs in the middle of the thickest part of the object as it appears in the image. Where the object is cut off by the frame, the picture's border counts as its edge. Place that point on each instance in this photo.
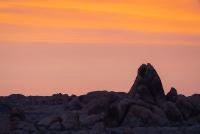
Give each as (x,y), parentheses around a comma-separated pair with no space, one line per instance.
(148,85)
(145,109)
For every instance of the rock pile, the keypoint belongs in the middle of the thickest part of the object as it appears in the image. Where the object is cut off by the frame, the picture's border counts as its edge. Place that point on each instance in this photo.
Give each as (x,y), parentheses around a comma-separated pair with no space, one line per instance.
(145,109)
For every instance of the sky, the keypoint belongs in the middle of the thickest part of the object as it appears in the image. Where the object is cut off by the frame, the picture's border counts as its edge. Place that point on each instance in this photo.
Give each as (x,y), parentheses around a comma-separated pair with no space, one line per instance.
(78,46)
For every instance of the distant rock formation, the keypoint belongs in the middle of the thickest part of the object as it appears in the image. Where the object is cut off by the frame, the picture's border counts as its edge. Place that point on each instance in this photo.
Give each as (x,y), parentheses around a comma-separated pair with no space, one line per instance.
(148,85)
(145,109)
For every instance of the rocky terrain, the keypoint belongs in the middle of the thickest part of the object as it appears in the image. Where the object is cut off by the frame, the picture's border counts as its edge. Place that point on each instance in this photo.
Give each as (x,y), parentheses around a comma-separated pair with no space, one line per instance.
(146,109)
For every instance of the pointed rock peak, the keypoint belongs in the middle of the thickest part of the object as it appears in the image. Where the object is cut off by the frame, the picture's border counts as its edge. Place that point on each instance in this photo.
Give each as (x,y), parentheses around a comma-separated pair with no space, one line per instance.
(147,85)
(172,95)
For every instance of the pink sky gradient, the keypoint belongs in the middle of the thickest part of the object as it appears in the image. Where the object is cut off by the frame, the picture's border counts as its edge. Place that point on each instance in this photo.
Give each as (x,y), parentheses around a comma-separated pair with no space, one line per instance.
(37,69)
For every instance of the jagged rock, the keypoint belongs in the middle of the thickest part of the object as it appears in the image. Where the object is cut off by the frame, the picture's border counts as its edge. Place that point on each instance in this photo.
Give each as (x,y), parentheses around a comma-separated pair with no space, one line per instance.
(59,98)
(172,95)
(148,85)
(172,112)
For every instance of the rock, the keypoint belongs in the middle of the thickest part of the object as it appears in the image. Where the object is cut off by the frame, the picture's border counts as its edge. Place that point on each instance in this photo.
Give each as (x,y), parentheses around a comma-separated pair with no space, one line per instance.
(117,112)
(98,128)
(172,112)
(58,99)
(56,126)
(139,116)
(5,109)
(120,130)
(81,132)
(195,101)
(48,121)
(148,85)
(172,95)
(70,120)
(91,120)
(111,96)
(4,124)
(112,117)
(17,114)
(23,125)
(97,106)
(74,104)
(185,107)
(143,93)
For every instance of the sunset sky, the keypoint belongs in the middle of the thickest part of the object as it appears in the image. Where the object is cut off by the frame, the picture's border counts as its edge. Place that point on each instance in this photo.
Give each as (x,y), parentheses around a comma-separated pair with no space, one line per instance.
(77,46)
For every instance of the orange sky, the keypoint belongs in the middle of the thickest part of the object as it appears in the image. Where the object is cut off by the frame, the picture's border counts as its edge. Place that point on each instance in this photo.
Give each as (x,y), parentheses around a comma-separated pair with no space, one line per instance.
(49,46)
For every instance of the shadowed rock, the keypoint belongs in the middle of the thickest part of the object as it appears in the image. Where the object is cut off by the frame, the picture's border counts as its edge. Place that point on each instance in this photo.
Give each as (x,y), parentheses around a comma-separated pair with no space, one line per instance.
(172,95)
(147,85)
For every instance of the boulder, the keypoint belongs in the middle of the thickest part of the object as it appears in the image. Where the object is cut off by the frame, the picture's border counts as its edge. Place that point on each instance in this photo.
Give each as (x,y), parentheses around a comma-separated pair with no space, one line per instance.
(148,85)
(97,106)
(185,107)
(172,95)
(139,116)
(195,101)
(172,112)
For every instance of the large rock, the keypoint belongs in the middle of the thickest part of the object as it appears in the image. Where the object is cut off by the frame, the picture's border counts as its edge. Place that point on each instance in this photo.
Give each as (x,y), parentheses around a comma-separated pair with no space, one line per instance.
(172,95)
(112,96)
(147,85)
(195,101)
(172,112)
(185,107)
(97,106)
(117,111)
(139,116)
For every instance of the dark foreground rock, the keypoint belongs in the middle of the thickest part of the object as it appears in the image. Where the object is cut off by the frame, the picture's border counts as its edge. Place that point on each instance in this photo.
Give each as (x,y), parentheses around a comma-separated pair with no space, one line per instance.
(145,109)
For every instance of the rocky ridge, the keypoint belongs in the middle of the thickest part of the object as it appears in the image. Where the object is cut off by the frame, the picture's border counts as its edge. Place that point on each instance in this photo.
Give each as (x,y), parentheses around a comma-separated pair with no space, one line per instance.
(145,109)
